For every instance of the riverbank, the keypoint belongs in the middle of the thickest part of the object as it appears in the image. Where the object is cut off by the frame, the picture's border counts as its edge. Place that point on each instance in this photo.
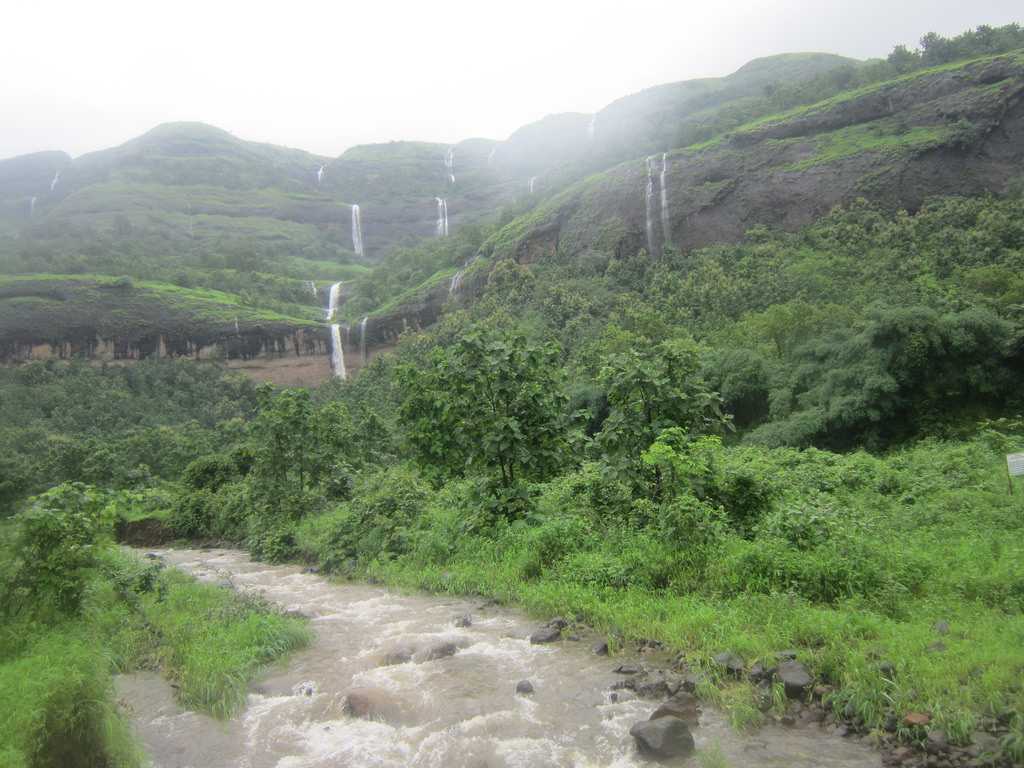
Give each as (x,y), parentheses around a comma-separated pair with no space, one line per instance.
(57,701)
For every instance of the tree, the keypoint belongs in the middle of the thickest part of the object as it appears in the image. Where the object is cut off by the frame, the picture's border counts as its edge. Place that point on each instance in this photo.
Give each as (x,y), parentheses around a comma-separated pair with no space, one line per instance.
(651,388)
(492,403)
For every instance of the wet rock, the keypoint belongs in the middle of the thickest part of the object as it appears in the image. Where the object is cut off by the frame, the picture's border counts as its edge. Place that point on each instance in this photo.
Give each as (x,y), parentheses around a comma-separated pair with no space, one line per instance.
(759,673)
(822,692)
(658,685)
(691,680)
(311,570)
(546,634)
(465,620)
(440,651)
(153,556)
(628,669)
(306,688)
(732,663)
(600,649)
(370,704)
(524,687)
(664,738)
(983,744)
(682,706)
(936,742)
(787,655)
(891,723)
(557,623)
(795,677)
(917,719)
(294,613)
(401,654)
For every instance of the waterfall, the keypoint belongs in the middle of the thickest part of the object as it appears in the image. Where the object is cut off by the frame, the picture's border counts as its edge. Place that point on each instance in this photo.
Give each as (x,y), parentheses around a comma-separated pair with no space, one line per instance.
(311,286)
(357,231)
(649,205)
(533,180)
(32,206)
(56,178)
(666,225)
(319,175)
(490,155)
(238,332)
(337,350)
(442,217)
(337,353)
(592,127)
(456,282)
(362,339)
(449,164)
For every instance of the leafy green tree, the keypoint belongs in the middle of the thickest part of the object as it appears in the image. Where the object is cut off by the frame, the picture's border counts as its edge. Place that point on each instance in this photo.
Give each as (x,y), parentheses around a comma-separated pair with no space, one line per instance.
(651,388)
(492,403)
(57,540)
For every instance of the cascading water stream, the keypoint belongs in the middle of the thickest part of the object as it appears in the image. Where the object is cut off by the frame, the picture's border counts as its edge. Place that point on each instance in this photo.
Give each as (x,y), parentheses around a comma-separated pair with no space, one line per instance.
(449,164)
(357,231)
(362,339)
(311,287)
(666,224)
(337,349)
(442,217)
(319,175)
(533,180)
(649,205)
(490,156)
(56,178)
(32,206)
(436,693)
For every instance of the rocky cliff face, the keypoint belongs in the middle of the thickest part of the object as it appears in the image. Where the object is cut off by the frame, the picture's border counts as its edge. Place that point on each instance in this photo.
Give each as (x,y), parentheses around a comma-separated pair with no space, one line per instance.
(958,130)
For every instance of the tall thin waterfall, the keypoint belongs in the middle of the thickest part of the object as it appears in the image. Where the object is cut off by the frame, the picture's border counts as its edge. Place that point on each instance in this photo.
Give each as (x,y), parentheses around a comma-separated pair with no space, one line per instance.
(311,286)
(666,225)
(649,205)
(490,155)
(337,349)
(32,206)
(442,217)
(456,282)
(319,175)
(449,164)
(357,231)
(533,180)
(592,127)
(56,178)
(362,339)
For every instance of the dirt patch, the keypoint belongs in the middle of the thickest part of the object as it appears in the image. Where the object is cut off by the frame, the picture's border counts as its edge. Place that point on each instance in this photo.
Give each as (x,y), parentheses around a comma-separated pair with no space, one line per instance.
(148,532)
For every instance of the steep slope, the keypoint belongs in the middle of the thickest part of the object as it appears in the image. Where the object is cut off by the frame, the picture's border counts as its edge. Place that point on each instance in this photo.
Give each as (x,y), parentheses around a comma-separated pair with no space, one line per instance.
(951,130)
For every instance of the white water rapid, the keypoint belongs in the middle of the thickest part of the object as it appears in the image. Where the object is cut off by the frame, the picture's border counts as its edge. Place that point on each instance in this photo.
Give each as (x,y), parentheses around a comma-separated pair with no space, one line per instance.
(357,231)
(439,695)
(442,217)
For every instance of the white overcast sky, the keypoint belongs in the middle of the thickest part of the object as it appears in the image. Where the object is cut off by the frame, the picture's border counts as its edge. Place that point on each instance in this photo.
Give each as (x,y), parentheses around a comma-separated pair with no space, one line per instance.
(324,76)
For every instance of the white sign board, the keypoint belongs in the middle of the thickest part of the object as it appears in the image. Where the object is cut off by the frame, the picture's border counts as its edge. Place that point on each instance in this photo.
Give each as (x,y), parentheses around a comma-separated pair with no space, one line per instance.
(1015,464)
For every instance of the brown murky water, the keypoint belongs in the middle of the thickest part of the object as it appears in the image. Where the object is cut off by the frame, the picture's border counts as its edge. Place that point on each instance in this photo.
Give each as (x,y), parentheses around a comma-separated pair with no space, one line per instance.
(452,712)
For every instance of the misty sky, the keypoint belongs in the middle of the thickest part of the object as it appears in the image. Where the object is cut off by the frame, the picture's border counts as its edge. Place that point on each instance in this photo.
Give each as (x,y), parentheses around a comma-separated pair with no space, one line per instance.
(324,76)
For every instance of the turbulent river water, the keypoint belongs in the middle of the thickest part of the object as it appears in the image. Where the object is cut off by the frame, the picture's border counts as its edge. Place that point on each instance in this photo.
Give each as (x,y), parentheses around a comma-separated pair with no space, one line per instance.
(457,711)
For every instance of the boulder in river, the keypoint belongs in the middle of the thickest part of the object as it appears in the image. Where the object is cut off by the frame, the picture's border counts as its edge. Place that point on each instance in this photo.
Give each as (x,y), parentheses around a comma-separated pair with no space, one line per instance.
(440,651)
(683,706)
(663,739)
(370,704)
(600,649)
(524,687)
(795,677)
(465,620)
(546,634)
(400,654)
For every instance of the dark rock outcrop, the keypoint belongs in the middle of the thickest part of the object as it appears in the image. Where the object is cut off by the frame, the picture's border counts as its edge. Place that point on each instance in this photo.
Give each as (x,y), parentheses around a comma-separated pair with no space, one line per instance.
(663,739)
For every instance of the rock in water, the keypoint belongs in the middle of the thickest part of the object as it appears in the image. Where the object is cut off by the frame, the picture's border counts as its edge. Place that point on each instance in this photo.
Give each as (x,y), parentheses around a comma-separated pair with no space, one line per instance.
(440,651)
(524,687)
(600,649)
(663,738)
(465,620)
(546,635)
(795,678)
(682,706)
